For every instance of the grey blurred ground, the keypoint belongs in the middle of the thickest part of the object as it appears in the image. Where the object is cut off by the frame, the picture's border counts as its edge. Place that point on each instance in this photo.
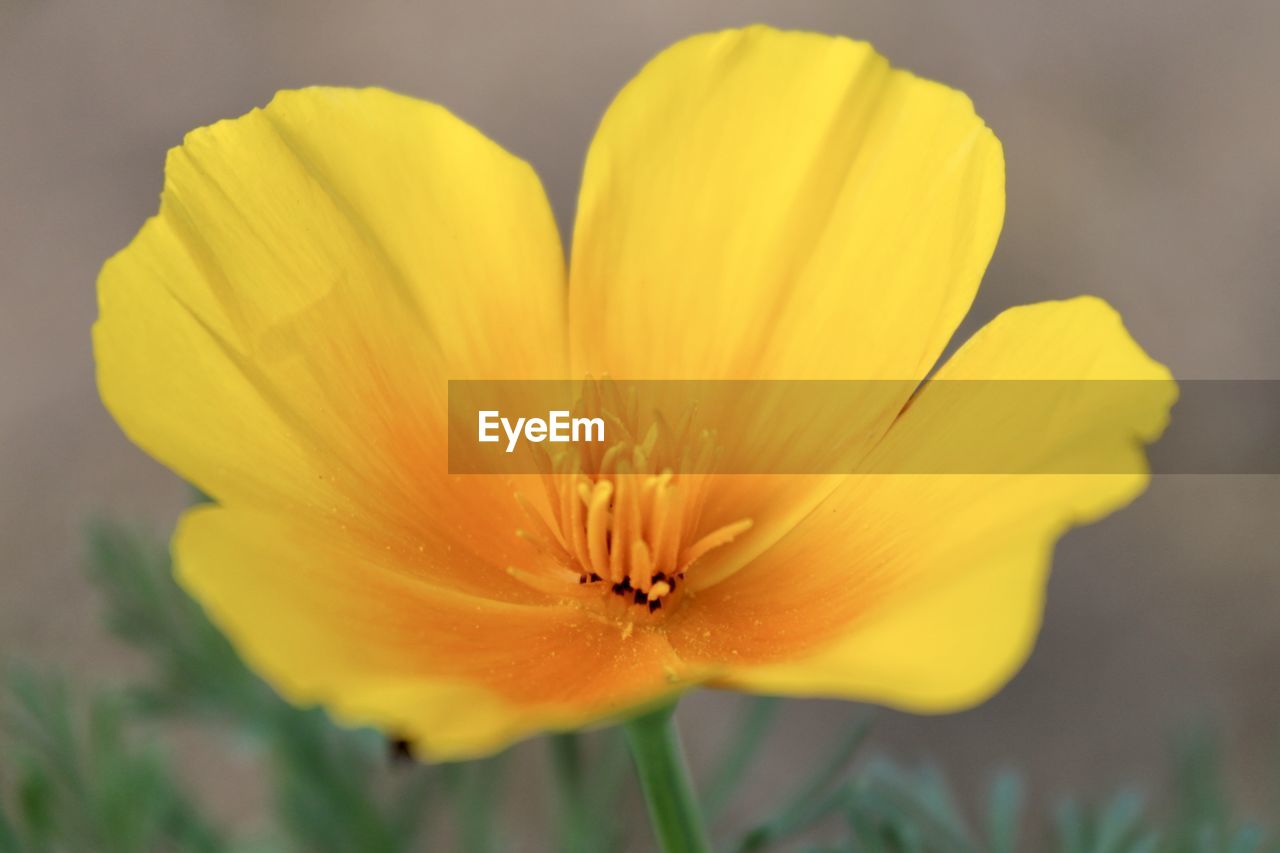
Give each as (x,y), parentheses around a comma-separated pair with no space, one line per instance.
(1143,167)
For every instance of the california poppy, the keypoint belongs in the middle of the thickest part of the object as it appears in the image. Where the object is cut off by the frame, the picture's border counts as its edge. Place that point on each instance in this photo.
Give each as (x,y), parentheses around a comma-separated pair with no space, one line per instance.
(756,204)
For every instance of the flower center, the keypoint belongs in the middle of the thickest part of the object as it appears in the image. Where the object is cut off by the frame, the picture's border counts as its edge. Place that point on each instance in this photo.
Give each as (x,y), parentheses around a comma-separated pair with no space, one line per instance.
(624,522)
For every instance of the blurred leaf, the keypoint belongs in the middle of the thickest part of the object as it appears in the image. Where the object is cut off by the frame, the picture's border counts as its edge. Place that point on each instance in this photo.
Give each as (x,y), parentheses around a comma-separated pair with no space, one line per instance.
(1248,839)
(197,669)
(814,800)
(85,784)
(1119,825)
(591,771)
(475,787)
(1201,808)
(8,835)
(574,819)
(1004,813)
(757,717)
(1072,828)
(910,810)
(610,777)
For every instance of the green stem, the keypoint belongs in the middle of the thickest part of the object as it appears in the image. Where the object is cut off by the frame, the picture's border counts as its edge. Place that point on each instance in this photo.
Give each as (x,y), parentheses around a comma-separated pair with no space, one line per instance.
(664,777)
(566,757)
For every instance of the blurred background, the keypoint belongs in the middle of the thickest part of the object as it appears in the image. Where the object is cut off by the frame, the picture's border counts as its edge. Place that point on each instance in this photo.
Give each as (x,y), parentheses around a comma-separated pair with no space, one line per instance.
(1143,148)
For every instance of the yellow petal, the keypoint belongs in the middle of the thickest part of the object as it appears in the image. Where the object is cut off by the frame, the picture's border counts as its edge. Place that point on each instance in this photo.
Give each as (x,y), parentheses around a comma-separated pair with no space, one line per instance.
(764,204)
(328,620)
(760,204)
(281,333)
(925,591)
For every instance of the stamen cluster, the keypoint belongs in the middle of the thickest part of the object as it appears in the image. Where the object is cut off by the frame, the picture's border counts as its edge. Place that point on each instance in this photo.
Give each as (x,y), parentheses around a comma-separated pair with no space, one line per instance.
(620,515)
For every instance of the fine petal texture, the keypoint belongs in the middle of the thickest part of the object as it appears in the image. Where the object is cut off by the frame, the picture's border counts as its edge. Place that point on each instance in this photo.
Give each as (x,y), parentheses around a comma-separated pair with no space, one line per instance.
(281,333)
(925,591)
(780,205)
(328,620)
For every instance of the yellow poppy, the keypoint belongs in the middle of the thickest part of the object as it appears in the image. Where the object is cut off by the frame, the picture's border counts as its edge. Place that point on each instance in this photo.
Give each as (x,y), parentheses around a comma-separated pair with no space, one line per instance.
(755,204)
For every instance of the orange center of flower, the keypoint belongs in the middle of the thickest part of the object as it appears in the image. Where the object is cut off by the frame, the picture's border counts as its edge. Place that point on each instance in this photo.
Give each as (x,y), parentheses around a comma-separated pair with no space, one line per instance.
(623,521)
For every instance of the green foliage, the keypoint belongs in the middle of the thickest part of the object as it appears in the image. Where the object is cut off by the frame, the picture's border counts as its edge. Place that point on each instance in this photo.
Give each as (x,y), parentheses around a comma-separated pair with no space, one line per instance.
(753,727)
(888,809)
(818,797)
(87,773)
(195,668)
(82,782)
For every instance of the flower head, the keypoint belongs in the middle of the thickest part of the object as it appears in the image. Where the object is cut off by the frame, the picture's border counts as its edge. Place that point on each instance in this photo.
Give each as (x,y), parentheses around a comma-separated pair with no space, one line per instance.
(755,205)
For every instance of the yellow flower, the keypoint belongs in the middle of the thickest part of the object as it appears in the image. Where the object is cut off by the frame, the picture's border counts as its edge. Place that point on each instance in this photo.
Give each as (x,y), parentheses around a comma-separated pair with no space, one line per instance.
(755,204)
